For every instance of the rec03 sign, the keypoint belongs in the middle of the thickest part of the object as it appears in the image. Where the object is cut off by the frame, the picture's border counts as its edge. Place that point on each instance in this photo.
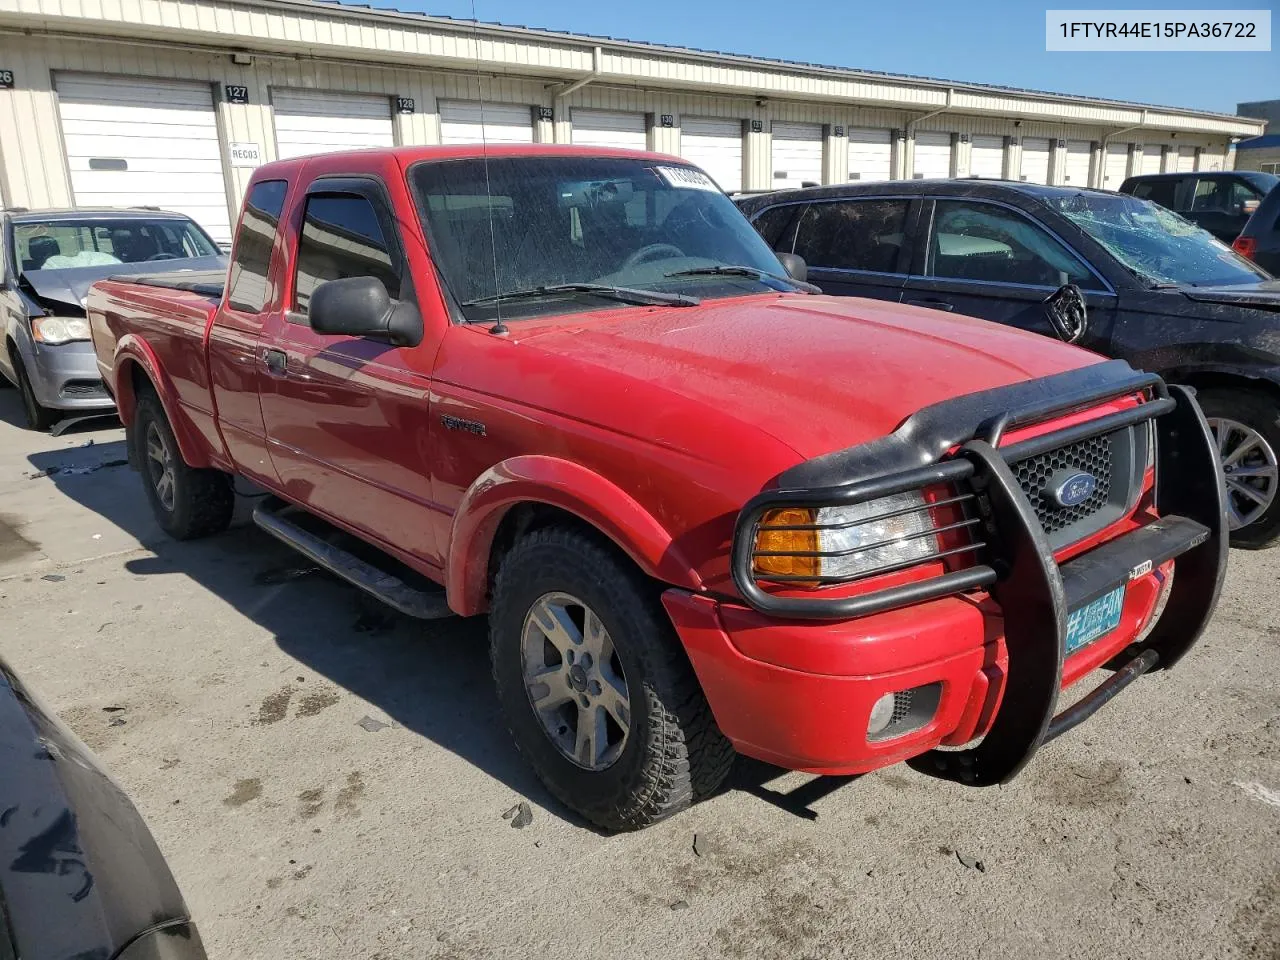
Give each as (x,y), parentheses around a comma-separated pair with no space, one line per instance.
(6,79)
(245,154)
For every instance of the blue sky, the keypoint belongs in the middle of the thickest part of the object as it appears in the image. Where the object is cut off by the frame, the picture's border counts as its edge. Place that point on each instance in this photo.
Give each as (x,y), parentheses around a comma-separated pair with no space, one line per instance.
(984,41)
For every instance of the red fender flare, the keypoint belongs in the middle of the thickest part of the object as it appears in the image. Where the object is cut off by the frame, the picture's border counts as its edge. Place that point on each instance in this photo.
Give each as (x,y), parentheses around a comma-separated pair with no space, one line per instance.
(570,487)
(132,349)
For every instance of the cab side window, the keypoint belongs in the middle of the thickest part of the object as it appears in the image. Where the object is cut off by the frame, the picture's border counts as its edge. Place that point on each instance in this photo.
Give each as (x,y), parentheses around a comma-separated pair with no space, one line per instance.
(853,235)
(991,244)
(342,237)
(248,288)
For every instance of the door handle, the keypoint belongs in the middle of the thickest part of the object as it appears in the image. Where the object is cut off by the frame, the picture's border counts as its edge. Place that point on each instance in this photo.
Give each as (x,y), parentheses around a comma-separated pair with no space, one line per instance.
(276,361)
(933,304)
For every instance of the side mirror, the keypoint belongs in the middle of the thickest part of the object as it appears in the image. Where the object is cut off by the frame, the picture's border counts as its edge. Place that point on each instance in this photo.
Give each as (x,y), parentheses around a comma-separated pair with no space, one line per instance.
(795,266)
(1067,313)
(361,307)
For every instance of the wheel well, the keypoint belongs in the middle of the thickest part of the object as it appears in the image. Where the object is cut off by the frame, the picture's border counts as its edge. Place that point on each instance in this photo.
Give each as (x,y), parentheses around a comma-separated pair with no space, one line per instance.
(1212,380)
(525,518)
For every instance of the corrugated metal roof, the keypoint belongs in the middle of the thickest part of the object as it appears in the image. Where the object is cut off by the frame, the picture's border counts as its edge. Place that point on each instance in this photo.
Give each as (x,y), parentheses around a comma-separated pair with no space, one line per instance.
(849,72)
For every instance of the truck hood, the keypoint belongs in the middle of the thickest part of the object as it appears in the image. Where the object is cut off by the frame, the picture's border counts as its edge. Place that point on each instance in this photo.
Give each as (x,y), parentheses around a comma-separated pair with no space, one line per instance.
(70,287)
(1264,295)
(817,373)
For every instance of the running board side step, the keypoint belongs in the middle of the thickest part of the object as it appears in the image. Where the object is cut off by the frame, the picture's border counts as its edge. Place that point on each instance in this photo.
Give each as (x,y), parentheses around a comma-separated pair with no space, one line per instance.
(391,590)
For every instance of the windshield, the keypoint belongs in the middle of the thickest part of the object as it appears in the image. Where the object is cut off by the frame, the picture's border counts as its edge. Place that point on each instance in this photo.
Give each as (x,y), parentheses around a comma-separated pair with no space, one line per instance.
(66,244)
(1155,243)
(629,223)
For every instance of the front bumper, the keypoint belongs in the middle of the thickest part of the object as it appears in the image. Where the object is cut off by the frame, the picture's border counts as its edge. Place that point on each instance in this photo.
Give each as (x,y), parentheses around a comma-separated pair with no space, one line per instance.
(65,376)
(795,685)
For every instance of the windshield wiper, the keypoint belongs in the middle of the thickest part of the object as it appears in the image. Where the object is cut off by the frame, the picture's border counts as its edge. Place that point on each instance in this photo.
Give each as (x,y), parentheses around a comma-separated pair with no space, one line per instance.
(733,270)
(625,294)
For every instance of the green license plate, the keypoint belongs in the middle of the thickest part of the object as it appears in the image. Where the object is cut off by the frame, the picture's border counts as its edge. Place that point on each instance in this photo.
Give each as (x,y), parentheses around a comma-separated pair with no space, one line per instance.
(1094,620)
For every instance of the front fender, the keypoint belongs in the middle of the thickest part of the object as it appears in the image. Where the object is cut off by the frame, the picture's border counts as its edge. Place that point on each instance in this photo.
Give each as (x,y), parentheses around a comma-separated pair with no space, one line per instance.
(133,350)
(570,487)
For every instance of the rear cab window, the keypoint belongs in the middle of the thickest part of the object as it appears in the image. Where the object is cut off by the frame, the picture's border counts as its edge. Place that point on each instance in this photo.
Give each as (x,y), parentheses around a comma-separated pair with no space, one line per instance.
(262,208)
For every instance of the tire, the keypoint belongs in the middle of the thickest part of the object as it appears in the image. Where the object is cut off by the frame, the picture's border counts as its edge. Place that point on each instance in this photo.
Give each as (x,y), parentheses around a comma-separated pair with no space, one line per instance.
(1258,413)
(39,418)
(673,752)
(194,503)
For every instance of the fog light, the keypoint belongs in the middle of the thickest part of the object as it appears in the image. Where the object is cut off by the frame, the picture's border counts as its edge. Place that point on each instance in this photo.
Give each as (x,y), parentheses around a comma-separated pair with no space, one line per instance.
(903,712)
(881,714)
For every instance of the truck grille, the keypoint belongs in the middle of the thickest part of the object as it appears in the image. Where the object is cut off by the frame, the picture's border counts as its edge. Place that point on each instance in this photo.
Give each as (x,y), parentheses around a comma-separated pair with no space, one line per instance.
(1110,459)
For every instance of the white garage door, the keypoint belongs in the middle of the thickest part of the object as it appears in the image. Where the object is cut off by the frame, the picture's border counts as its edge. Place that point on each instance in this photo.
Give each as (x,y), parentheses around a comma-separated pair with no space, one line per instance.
(1151,157)
(932,156)
(1186,159)
(715,146)
(133,142)
(797,154)
(601,128)
(310,121)
(1077,165)
(870,154)
(1035,160)
(986,157)
(470,121)
(1116,167)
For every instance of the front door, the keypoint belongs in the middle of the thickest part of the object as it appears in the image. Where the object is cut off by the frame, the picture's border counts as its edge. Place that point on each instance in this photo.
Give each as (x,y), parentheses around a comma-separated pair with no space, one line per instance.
(990,261)
(856,247)
(346,417)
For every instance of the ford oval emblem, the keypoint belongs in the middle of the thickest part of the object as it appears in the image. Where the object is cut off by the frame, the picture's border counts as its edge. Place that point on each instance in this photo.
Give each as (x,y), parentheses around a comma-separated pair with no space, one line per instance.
(1070,488)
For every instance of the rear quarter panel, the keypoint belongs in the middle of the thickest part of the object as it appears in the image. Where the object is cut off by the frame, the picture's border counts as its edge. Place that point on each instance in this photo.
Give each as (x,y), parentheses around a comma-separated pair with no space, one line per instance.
(160,333)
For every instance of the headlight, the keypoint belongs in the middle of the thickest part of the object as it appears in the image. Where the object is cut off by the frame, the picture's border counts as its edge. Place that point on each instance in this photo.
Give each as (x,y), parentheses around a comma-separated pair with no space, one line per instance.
(845,542)
(55,330)
(889,532)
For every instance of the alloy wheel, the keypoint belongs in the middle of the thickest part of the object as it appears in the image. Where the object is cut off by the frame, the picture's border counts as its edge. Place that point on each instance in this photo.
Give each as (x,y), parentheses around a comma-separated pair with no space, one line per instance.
(160,466)
(575,681)
(1250,468)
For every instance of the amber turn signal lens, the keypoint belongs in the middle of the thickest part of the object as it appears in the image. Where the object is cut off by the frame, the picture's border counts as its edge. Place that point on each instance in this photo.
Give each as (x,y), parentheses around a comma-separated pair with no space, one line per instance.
(787,541)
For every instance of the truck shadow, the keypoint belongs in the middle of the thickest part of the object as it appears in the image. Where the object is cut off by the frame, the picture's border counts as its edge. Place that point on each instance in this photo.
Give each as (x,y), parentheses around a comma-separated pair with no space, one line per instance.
(430,677)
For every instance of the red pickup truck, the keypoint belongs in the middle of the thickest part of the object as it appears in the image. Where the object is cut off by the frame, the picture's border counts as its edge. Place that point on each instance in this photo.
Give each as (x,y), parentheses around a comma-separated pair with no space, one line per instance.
(704,509)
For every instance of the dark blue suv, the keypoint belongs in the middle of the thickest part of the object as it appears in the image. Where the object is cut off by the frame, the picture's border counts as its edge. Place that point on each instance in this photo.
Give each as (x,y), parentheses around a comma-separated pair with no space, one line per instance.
(1140,283)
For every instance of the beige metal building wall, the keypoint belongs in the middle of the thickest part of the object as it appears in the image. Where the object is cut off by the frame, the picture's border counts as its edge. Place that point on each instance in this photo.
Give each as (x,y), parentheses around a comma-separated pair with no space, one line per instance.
(302,45)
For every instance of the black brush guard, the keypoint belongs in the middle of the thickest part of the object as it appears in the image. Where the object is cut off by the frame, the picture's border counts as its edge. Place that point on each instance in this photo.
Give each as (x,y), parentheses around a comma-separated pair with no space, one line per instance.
(1033,590)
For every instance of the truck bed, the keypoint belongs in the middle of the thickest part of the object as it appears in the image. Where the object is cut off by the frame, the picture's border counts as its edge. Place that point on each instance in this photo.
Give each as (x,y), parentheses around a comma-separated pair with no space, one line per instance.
(170,312)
